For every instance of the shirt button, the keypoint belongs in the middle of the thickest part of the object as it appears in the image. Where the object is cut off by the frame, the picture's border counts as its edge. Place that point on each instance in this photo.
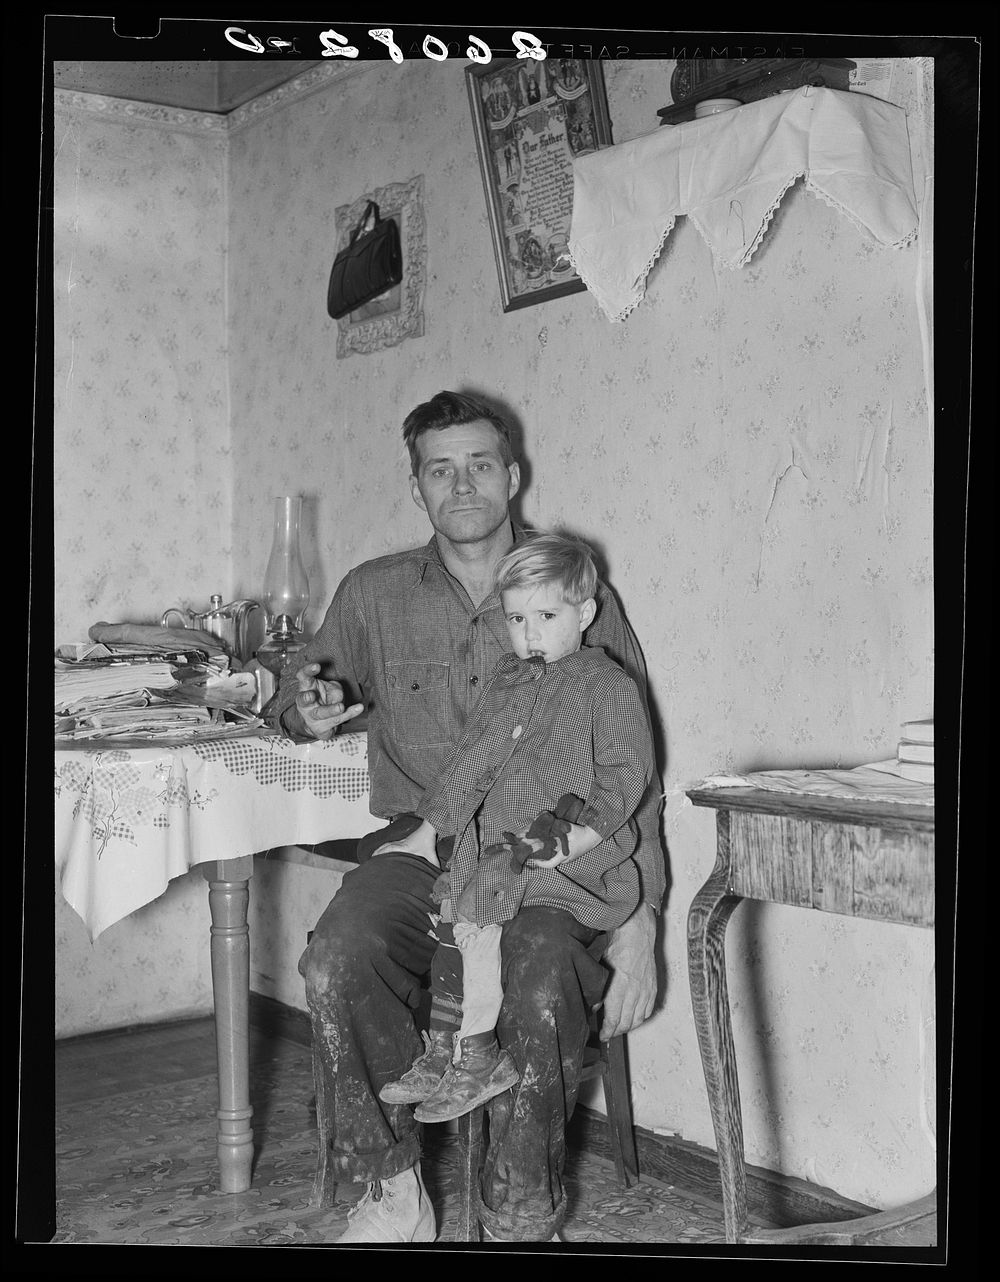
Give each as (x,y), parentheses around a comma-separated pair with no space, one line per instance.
(517,732)
(415,686)
(473,681)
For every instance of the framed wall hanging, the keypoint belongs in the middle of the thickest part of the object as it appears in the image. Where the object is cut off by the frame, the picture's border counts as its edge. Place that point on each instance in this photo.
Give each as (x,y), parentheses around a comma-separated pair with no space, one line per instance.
(532,119)
(397,314)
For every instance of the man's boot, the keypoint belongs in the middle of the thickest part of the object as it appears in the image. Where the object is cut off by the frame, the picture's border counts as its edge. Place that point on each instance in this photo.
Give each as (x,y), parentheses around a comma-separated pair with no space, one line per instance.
(482,1071)
(420,1080)
(393,1210)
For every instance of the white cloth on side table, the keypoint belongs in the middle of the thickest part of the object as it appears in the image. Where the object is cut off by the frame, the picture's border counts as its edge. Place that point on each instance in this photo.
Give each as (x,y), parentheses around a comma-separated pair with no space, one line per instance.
(862,783)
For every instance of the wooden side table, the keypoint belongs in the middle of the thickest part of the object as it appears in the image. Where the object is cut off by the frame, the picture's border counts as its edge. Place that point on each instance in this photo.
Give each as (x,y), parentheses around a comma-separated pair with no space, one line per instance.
(861,858)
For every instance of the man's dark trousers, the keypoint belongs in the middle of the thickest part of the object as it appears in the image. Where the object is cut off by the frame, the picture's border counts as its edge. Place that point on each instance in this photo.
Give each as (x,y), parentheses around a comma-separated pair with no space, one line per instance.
(365,969)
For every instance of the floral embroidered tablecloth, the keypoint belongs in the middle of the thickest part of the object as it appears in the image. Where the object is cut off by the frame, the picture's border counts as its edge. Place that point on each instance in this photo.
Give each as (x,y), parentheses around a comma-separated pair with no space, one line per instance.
(129,819)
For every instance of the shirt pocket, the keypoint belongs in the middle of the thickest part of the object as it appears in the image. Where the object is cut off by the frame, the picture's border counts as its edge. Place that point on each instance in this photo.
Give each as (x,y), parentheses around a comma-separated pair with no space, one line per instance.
(419,703)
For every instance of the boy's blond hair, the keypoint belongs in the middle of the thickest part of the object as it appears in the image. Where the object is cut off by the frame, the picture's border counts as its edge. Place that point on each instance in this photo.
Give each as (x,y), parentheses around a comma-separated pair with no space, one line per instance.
(549,558)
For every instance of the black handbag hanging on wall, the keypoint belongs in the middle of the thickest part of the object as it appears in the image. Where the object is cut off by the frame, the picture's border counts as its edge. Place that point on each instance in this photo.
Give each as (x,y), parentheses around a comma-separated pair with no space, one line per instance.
(367,266)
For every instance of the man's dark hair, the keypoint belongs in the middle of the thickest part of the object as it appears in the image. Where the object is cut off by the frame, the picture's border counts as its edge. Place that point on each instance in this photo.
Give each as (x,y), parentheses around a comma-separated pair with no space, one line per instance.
(453,409)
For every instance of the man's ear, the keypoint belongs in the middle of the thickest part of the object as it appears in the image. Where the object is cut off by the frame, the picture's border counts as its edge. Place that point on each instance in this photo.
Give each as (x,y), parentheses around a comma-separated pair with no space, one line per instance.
(587,612)
(418,498)
(515,480)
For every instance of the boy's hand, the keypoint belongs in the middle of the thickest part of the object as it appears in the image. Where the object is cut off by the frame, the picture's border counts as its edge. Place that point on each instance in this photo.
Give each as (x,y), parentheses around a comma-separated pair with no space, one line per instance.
(538,852)
(547,836)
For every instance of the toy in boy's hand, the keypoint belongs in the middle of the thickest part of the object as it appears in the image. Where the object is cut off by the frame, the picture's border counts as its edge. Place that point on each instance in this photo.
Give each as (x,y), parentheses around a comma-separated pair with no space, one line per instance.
(550,828)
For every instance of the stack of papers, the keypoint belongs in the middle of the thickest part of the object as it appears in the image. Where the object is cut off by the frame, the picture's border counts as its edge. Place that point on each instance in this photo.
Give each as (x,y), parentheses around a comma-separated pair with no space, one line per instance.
(79,687)
(125,693)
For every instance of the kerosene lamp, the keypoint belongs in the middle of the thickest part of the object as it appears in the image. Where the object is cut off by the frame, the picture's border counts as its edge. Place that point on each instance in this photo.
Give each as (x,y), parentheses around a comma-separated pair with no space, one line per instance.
(285,596)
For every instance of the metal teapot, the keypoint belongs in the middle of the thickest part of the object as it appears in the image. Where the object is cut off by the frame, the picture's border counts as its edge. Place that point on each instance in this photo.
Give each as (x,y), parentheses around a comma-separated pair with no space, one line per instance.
(227,622)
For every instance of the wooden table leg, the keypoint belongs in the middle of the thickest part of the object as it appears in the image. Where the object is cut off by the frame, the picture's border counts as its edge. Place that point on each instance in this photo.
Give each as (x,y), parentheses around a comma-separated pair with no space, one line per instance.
(228,897)
(708,918)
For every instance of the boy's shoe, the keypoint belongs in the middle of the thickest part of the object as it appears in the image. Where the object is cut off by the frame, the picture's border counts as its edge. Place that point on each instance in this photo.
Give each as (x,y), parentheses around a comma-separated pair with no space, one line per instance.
(420,1080)
(393,1210)
(483,1070)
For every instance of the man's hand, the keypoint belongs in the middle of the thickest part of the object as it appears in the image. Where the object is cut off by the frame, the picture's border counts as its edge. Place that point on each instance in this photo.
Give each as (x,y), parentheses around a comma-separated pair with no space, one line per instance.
(320,703)
(422,842)
(631,991)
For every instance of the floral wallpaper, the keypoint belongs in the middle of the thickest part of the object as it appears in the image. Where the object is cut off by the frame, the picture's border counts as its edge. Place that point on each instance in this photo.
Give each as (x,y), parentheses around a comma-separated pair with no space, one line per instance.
(143,473)
(155,964)
(750,453)
(142,469)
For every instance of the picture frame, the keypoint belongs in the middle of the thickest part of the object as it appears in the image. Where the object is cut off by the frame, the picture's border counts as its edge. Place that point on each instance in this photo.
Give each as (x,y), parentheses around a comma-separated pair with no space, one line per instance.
(397,314)
(532,119)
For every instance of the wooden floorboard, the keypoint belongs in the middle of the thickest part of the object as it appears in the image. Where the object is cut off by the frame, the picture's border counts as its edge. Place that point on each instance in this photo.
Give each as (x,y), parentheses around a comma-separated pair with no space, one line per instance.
(100,1065)
(95,1066)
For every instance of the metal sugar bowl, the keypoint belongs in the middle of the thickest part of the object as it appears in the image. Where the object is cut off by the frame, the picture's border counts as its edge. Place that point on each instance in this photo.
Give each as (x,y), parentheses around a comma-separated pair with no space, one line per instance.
(230,623)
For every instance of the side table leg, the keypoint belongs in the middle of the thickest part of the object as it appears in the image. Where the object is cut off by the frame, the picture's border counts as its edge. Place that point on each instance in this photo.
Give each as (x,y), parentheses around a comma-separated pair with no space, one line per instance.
(708,918)
(228,897)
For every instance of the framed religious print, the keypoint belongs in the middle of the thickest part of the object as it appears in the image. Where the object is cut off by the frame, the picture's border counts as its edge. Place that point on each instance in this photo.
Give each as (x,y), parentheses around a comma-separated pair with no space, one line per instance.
(532,119)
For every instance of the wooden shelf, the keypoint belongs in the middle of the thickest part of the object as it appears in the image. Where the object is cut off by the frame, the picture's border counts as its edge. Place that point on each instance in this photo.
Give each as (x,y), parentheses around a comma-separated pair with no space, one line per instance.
(748,79)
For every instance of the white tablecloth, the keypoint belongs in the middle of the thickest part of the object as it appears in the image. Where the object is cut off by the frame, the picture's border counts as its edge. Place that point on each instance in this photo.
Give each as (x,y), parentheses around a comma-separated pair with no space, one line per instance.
(129,819)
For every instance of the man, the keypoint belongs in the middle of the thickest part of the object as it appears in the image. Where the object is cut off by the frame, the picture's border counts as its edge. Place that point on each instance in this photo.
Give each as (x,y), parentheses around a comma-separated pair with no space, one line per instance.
(411,638)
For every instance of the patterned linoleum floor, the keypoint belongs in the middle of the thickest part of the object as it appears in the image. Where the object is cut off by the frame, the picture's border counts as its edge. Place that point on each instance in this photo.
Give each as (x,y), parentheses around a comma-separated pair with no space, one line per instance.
(137,1166)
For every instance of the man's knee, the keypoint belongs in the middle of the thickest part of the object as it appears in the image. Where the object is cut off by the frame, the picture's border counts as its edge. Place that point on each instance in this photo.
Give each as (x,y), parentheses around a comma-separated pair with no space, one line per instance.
(537,939)
(346,939)
(335,953)
(375,925)
(547,954)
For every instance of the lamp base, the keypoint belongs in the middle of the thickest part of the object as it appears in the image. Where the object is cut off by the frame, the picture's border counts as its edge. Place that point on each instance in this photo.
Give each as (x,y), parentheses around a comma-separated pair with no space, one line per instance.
(279,649)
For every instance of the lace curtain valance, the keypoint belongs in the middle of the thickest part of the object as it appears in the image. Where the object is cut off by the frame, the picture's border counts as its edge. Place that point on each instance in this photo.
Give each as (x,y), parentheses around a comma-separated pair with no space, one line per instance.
(727,173)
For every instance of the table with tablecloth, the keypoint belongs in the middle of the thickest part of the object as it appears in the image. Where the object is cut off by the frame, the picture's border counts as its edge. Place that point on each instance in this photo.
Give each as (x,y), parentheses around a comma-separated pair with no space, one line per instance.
(132,815)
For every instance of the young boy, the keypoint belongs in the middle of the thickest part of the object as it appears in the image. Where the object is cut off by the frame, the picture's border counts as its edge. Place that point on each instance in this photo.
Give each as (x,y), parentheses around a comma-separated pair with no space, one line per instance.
(539,794)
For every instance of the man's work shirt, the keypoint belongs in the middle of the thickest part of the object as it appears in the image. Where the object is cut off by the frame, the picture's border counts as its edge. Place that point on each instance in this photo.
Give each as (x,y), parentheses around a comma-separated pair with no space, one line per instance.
(404,638)
(578,726)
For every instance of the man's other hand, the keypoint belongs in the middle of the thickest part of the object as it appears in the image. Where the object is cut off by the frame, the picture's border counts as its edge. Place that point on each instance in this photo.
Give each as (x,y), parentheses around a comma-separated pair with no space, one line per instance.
(631,992)
(320,703)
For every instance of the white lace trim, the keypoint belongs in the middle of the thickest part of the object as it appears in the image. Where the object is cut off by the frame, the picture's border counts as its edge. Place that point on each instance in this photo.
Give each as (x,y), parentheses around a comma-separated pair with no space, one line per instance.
(765,223)
(731,264)
(640,282)
(852,218)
